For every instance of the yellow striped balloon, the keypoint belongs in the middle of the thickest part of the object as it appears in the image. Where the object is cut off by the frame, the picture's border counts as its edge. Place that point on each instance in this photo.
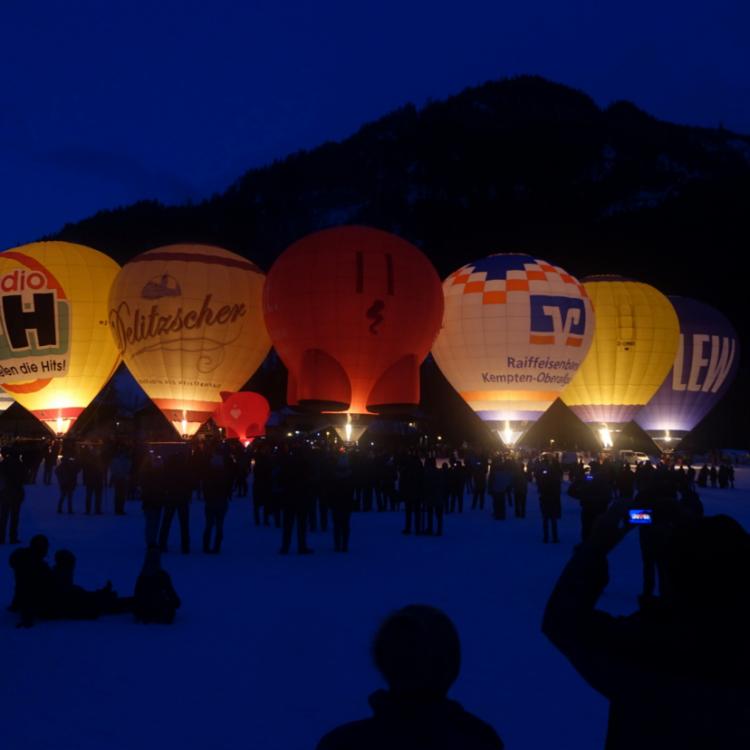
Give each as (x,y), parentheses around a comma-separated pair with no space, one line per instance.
(635,343)
(56,352)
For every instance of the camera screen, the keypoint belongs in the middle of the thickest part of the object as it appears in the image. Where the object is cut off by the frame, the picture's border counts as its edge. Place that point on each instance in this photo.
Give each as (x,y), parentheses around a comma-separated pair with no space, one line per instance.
(640,517)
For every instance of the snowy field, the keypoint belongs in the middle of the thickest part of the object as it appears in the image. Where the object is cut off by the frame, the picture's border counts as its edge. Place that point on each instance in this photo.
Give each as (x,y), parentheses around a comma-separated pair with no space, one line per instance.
(269,652)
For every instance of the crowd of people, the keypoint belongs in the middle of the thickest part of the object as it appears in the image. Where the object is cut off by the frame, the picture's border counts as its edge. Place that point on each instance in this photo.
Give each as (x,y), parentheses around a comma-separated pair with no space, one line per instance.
(674,671)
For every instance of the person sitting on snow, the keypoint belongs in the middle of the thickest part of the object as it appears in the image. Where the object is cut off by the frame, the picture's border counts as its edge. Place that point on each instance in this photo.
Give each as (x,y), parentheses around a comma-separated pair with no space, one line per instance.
(155,599)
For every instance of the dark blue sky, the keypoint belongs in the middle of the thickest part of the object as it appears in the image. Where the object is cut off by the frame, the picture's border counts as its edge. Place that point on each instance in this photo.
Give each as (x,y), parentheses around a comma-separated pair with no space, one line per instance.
(108,101)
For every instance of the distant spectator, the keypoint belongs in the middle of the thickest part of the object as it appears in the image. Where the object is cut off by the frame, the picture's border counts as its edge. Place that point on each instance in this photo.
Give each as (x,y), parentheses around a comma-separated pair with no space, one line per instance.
(67,474)
(11,495)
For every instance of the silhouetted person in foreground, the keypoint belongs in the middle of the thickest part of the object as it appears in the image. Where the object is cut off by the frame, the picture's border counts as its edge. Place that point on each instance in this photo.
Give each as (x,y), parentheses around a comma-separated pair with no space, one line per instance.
(417,651)
(675,672)
(155,600)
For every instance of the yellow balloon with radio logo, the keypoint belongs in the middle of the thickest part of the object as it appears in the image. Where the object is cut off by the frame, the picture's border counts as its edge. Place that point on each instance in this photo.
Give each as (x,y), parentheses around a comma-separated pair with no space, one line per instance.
(188,322)
(635,343)
(55,350)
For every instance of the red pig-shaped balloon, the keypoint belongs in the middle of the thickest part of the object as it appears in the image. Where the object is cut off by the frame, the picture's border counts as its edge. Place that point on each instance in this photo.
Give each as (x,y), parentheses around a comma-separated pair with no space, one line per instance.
(353,312)
(243,414)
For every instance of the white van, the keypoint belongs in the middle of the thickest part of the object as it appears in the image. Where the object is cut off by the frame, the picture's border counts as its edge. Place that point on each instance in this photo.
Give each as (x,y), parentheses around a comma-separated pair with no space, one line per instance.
(633,458)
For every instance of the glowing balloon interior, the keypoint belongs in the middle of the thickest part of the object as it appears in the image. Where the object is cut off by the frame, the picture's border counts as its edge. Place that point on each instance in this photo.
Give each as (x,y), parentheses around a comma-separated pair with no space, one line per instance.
(515,330)
(706,363)
(188,322)
(55,350)
(352,312)
(634,346)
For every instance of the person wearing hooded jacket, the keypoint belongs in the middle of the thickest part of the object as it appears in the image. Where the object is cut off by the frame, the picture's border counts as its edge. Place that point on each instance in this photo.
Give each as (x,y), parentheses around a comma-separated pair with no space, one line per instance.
(417,650)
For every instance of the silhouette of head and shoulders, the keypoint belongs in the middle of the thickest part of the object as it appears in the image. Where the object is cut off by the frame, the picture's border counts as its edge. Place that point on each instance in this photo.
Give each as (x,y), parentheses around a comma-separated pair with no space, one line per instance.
(417,651)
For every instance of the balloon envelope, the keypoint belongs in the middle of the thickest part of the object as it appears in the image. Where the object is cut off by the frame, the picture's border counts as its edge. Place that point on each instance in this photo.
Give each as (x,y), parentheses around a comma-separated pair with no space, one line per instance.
(634,346)
(515,330)
(243,414)
(352,312)
(188,322)
(55,351)
(706,363)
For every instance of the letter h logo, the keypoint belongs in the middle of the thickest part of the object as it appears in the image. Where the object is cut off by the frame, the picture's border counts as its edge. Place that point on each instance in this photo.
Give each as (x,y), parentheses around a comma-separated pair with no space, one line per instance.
(41,319)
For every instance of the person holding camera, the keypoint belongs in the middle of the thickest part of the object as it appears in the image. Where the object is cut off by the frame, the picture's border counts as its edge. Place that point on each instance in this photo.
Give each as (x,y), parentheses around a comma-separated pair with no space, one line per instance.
(674,672)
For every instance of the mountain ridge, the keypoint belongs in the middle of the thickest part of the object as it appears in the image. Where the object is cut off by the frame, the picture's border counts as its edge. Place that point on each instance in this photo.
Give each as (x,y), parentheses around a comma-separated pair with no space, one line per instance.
(517,164)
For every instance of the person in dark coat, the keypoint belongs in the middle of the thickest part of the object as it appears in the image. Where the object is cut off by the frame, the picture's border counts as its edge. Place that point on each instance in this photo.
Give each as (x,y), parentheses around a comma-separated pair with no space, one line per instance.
(340,500)
(50,461)
(11,495)
(713,476)
(675,674)
(294,498)
(218,481)
(625,482)
(520,488)
(456,486)
(35,586)
(120,471)
(653,538)
(499,481)
(179,482)
(594,493)
(417,650)
(479,482)
(67,474)
(262,484)
(152,482)
(155,600)
(548,485)
(93,480)
(435,491)
(410,488)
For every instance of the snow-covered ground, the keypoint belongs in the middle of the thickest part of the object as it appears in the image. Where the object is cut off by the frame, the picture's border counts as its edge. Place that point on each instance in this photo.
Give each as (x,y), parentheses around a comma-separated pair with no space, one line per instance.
(269,652)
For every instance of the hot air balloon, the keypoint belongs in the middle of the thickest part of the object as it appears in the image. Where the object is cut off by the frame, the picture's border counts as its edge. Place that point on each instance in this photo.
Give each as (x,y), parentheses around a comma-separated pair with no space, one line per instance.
(706,363)
(243,415)
(634,346)
(514,333)
(187,320)
(55,351)
(352,312)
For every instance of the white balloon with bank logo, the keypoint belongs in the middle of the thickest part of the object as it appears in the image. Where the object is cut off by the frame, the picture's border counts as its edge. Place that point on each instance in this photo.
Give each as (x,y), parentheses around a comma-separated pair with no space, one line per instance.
(188,322)
(515,330)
